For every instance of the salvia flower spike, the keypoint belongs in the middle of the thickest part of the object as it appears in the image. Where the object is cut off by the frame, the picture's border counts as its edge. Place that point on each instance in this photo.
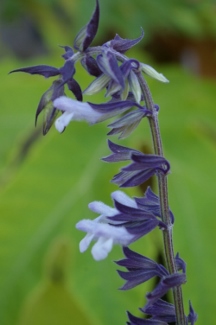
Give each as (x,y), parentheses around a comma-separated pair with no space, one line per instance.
(127,101)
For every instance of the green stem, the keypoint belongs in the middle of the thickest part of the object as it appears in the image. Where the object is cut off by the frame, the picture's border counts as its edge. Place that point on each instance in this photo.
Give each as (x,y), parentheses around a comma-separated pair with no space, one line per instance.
(163,195)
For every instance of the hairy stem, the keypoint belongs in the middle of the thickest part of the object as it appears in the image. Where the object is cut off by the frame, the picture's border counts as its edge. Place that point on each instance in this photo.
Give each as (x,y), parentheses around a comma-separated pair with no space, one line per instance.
(163,195)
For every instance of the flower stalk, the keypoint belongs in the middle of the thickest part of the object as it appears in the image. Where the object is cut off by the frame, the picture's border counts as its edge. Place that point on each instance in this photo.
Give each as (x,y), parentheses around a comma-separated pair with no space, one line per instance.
(163,195)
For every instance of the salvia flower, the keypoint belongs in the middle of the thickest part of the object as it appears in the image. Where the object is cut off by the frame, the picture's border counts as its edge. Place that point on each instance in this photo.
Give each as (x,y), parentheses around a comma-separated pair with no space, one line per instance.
(105,236)
(143,166)
(138,222)
(161,310)
(74,110)
(102,230)
(46,105)
(125,220)
(150,202)
(86,35)
(192,316)
(120,153)
(113,77)
(128,123)
(123,44)
(166,283)
(164,311)
(141,269)
(108,64)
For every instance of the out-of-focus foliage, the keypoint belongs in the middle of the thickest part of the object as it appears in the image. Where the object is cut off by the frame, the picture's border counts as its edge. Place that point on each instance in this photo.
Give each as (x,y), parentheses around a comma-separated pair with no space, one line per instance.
(47,183)
(60,20)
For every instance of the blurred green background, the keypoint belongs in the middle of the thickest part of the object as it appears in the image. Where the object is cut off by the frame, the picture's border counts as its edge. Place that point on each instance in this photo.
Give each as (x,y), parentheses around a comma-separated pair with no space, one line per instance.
(47,182)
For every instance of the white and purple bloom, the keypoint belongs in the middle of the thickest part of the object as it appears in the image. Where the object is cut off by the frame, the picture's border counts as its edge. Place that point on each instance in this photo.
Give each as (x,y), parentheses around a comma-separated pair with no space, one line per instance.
(102,230)
(105,236)
(74,110)
(123,224)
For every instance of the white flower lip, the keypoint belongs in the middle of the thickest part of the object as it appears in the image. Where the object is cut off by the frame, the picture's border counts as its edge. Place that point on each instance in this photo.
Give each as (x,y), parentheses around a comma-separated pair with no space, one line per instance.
(74,110)
(105,236)
(102,208)
(123,198)
(63,121)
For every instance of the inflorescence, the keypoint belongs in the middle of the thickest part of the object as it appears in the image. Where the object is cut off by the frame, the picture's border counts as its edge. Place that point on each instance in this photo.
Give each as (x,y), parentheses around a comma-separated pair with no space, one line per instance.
(130,218)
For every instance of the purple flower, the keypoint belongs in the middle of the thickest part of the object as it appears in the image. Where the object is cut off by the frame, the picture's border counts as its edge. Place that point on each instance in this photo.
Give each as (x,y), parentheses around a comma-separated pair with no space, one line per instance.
(46,105)
(120,153)
(138,222)
(150,202)
(166,283)
(68,52)
(112,77)
(164,311)
(140,269)
(128,123)
(130,213)
(161,310)
(90,64)
(142,168)
(88,32)
(108,64)
(122,44)
(192,317)
(142,217)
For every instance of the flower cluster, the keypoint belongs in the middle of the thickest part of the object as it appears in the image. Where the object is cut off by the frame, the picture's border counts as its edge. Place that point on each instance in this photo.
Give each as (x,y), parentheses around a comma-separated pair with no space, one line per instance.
(128,99)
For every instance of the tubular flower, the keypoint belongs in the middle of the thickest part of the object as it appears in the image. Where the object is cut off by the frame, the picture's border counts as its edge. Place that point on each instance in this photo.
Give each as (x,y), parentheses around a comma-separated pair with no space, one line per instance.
(103,231)
(123,224)
(142,168)
(164,312)
(141,269)
(74,110)
(150,202)
(105,236)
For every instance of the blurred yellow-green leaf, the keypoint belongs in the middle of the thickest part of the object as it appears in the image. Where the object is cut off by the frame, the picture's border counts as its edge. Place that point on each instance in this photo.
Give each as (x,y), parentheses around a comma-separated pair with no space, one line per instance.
(51,302)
